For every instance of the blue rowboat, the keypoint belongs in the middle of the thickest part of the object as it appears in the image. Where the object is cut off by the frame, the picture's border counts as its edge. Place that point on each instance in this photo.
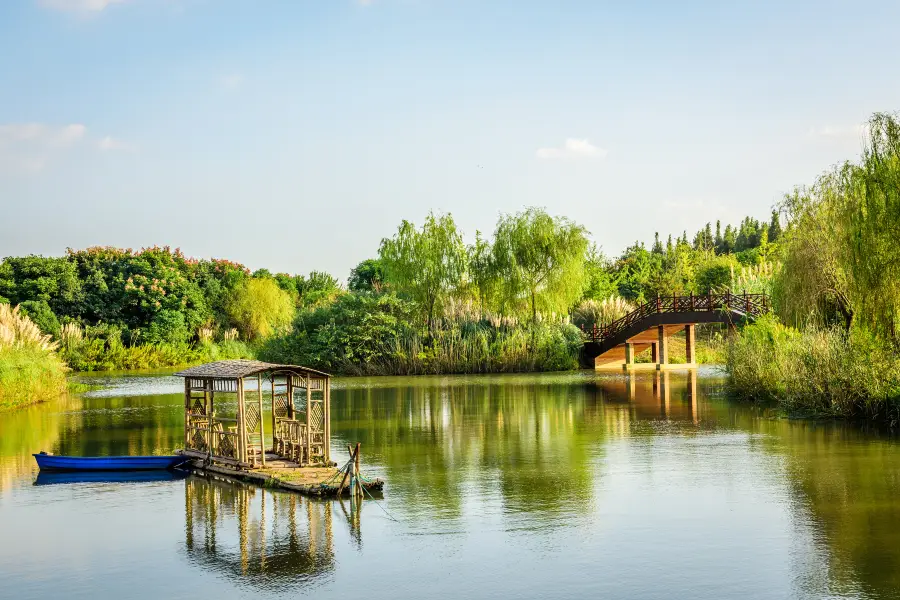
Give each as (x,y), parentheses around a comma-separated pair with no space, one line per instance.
(50,462)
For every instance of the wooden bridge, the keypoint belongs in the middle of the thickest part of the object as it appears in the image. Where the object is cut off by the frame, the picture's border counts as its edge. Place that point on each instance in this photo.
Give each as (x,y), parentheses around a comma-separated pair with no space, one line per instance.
(652,323)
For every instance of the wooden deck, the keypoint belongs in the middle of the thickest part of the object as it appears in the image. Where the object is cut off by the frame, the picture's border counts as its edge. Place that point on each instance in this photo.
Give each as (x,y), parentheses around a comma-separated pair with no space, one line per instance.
(282,473)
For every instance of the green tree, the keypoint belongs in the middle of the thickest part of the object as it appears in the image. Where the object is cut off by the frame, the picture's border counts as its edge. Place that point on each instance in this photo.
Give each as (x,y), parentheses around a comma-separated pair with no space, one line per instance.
(540,260)
(600,282)
(367,276)
(259,307)
(871,209)
(482,272)
(426,265)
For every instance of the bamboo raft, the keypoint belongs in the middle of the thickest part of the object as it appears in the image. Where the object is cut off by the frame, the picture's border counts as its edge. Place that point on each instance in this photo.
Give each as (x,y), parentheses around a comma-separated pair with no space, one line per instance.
(236,446)
(320,482)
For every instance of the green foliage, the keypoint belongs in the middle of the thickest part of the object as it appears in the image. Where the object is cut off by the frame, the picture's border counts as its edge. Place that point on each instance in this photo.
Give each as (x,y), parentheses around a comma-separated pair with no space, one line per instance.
(539,261)
(29,375)
(372,334)
(599,280)
(53,281)
(427,266)
(41,315)
(259,307)
(168,326)
(367,276)
(827,372)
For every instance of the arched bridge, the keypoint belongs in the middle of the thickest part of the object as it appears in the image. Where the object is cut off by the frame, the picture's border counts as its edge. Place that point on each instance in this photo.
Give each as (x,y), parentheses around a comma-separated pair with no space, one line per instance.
(652,323)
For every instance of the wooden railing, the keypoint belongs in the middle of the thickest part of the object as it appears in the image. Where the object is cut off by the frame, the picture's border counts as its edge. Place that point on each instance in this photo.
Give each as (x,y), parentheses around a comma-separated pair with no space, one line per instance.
(751,305)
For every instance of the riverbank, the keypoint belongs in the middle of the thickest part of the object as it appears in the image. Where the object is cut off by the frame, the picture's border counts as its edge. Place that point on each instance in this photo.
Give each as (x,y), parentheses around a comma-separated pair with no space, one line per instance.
(817,372)
(28,376)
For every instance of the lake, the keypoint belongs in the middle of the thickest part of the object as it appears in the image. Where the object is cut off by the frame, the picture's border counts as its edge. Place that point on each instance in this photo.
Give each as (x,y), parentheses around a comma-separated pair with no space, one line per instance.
(516,486)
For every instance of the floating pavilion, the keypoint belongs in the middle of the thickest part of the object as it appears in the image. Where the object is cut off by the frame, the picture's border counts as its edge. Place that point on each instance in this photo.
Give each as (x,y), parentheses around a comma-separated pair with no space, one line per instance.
(226,431)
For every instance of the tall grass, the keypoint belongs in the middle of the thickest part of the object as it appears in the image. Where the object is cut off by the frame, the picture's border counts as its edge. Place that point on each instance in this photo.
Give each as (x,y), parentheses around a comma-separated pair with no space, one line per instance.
(30,370)
(826,372)
(601,312)
(102,349)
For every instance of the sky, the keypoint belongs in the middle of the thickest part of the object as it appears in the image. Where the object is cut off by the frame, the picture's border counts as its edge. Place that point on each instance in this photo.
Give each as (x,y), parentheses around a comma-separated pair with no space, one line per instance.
(295,135)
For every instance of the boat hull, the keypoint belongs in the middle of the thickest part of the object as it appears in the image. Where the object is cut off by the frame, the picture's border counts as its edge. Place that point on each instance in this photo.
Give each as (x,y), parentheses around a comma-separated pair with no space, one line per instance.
(49,462)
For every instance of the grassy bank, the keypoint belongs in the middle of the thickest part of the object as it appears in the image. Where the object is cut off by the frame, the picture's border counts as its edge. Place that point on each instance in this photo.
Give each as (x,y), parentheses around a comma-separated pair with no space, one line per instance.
(817,372)
(103,355)
(30,369)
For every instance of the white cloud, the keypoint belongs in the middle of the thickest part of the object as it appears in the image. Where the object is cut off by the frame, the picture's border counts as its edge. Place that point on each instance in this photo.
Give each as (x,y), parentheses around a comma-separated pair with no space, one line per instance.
(111,144)
(232,81)
(41,134)
(844,131)
(27,147)
(573,148)
(79,5)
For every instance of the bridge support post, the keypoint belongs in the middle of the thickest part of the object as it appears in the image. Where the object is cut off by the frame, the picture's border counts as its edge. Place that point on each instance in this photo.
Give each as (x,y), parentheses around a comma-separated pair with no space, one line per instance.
(690,346)
(654,352)
(663,346)
(629,354)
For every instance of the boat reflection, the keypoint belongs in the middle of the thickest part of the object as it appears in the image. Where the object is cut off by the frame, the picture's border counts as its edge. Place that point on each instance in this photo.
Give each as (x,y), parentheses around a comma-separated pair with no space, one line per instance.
(51,478)
(270,539)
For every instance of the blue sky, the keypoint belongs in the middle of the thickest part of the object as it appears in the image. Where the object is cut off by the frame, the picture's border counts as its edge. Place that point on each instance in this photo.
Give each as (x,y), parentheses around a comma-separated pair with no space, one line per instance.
(295,135)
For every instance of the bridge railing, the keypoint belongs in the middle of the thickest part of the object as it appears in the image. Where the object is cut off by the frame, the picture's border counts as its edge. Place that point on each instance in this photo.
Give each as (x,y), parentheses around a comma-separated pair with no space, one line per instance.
(751,305)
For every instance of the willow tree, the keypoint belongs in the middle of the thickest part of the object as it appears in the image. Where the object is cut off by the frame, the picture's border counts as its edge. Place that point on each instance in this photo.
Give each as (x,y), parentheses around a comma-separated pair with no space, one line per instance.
(813,282)
(540,259)
(872,211)
(258,308)
(428,265)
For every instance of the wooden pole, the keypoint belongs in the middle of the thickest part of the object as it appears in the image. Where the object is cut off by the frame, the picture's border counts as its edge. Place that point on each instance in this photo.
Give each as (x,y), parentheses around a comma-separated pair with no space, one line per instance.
(262,429)
(187,412)
(359,489)
(347,472)
(327,420)
(308,420)
(272,376)
(241,422)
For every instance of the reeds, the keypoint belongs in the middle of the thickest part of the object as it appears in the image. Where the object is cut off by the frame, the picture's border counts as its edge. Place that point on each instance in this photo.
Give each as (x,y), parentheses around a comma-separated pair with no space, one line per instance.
(601,312)
(30,370)
(818,371)
(18,331)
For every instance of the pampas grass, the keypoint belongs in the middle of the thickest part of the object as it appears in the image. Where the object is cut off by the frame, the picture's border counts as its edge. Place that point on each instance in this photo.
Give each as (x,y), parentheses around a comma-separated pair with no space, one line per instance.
(30,370)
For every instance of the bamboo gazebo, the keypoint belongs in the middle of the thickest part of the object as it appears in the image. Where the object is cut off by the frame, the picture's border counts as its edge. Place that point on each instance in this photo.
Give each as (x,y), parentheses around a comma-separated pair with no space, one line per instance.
(300,427)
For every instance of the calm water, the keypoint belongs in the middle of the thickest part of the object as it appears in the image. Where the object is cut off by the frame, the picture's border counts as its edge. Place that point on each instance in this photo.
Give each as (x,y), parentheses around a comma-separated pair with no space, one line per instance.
(537,486)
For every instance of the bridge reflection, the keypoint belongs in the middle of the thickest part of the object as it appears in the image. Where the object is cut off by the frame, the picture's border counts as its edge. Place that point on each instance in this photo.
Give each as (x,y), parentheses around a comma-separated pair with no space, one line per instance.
(268,539)
(656,393)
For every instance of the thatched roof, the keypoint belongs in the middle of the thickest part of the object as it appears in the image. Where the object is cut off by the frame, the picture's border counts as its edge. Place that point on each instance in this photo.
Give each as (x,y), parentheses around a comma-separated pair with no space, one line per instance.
(235,369)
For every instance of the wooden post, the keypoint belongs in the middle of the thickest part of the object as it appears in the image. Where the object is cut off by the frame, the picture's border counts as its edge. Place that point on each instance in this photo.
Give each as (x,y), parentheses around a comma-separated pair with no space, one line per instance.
(663,342)
(241,421)
(347,472)
(262,429)
(327,420)
(690,345)
(187,413)
(272,379)
(308,420)
(211,422)
(692,300)
(654,351)
(629,353)
(356,469)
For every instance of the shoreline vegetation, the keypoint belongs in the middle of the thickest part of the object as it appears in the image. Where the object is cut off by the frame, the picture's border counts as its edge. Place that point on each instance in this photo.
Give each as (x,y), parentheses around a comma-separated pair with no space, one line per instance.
(513,301)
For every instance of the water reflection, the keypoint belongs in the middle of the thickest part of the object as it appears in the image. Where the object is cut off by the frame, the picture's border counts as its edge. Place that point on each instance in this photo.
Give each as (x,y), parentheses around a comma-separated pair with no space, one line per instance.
(620,464)
(269,539)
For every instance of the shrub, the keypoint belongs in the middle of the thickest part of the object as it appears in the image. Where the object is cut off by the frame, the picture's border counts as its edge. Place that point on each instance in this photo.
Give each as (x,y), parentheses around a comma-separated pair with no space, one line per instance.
(820,371)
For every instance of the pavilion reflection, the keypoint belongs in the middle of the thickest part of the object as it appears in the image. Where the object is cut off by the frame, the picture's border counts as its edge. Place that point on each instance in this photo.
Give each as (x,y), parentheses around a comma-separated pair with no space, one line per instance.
(270,539)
